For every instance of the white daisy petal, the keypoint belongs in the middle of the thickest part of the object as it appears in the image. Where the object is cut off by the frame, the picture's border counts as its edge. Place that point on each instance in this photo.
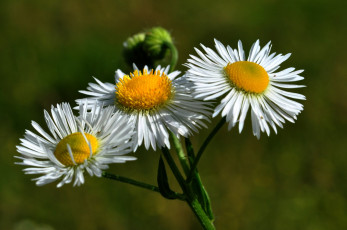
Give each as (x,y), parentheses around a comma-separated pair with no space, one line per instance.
(253,51)
(244,111)
(222,51)
(241,52)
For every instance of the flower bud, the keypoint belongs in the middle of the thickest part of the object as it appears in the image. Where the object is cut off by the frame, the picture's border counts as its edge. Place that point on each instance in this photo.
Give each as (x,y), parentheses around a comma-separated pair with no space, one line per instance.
(133,51)
(155,43)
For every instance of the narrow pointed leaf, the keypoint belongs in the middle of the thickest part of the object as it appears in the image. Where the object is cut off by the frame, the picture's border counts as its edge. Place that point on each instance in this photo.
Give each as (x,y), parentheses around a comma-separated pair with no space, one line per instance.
(163,182)
(196,183)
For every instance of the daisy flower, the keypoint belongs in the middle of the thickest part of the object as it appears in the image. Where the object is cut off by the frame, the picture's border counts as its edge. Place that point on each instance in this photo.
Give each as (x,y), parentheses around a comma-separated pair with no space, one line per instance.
(155,101)
(247,83)
(88,142)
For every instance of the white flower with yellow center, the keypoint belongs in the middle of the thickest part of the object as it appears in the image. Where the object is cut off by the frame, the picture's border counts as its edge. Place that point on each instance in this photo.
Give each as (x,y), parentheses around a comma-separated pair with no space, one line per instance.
(77,144)
(155,102)
(245,83)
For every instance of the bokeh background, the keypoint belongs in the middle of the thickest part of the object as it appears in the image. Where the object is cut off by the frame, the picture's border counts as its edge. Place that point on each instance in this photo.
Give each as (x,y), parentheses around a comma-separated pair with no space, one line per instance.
(294,180)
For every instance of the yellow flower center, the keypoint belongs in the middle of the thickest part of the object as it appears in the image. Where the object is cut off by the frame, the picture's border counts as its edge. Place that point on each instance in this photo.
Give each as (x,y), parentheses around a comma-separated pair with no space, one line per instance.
(143,91)
(248,76)
(79,147)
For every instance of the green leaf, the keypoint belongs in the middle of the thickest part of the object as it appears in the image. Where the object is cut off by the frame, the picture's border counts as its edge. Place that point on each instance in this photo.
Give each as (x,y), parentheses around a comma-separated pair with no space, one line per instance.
(196,183)
(163,182)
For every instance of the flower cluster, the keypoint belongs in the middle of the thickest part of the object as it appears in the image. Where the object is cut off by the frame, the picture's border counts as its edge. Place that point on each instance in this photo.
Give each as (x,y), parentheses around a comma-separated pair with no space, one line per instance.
(146,106)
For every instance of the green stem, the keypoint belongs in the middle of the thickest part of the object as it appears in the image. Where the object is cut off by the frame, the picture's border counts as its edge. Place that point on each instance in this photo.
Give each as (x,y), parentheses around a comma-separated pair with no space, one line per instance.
(180,153)
(190,150)
(190,196)
(206,223)
(203,147)
(130,181)
(174,55)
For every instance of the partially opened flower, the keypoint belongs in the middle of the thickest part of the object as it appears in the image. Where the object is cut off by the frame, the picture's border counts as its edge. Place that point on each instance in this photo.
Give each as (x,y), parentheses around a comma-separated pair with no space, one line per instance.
(155,101)
(76,144)
(245,83)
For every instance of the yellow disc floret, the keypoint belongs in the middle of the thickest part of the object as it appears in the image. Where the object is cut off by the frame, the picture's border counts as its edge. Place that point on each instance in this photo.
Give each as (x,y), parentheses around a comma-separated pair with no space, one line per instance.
(143,91)
(247,76)
(79,147)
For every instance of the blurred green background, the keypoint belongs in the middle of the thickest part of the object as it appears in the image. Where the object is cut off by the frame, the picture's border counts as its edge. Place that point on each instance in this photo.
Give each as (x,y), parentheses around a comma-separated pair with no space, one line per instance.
(293,180)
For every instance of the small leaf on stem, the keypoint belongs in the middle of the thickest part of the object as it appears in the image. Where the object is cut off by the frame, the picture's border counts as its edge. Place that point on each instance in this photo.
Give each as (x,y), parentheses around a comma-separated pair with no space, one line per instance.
(163,182)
